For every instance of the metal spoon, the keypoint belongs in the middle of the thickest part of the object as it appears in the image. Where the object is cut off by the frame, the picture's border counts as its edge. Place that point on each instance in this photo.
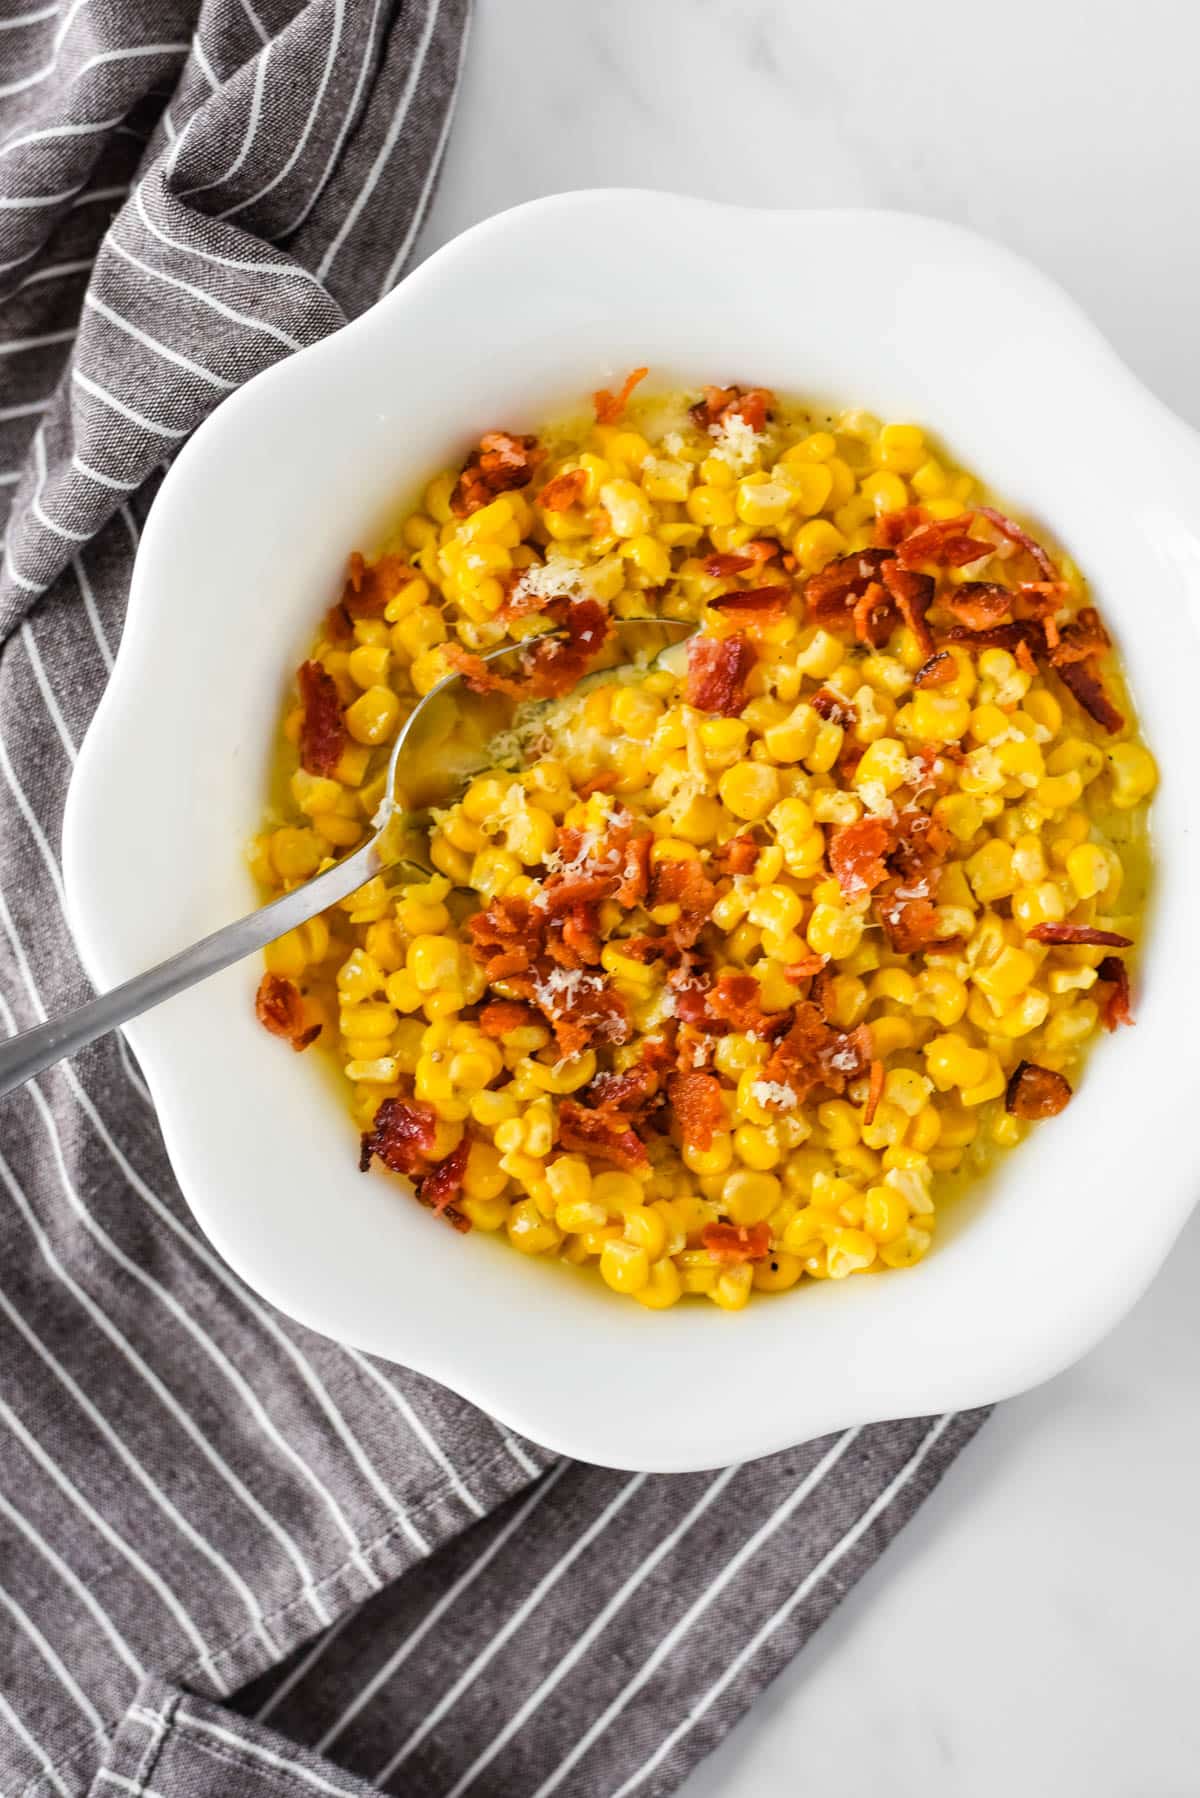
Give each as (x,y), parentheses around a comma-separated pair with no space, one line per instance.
(428,726)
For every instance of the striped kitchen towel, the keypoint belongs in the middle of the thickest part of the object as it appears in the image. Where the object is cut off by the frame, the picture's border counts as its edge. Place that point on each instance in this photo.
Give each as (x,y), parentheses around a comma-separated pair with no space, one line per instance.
(236,1558)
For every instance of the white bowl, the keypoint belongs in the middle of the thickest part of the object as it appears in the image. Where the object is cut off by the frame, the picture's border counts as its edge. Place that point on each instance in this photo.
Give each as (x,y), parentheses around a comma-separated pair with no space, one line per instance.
(243,550)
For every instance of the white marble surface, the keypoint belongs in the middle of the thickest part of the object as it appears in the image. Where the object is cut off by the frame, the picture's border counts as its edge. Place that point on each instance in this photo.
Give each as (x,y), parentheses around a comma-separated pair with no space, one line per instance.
(1032,1631)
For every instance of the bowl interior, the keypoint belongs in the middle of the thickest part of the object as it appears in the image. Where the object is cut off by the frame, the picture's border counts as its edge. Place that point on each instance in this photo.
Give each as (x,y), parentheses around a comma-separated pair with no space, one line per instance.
(510,325)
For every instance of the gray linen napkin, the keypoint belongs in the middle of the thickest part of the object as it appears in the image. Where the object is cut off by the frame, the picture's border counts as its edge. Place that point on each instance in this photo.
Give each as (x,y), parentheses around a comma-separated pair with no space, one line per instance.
(195,1493)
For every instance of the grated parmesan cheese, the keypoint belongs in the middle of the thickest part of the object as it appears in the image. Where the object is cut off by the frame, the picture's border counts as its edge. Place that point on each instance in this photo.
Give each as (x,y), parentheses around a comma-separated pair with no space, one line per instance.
(736,444)
(773,1092)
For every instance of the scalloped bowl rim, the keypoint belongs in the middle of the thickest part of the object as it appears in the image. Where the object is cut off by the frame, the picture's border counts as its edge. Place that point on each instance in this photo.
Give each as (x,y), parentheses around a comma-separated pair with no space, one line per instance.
(267,497)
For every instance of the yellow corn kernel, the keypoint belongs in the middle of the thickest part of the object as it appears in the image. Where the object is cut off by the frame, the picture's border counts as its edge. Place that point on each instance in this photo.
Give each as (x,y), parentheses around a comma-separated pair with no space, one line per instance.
(663,1286)
(761,502)
(935,717)
(749,790)
(713,1160)
(1008,975)
(849,1252)
(373,717)
(885,1213)
(989,1086)
(901,448)
(1042,903)
(295,854)
(286,955)
(907,1090)
(647,1228)
(990,871)
(359,977)
(827,746)
(889,1034)
(811,484)
(884,492)
(749,1196)
(1133,774)
(1056,792)
(433,962)
(778,1273)
(833,931)
(732,1288)
(940,995)
(617,1192)
(906,1250)
(793,737)
(368,665)
(529,1231)
(624,1266)
(483,1177)
(952,1061)
(1088,870)
(756,1147)
(817,543)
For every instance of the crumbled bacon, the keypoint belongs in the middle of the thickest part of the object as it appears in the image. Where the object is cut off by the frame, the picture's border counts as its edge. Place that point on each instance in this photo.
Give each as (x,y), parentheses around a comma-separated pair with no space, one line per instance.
(322,732)
(1026,661)
(726,562)
(805,968)
(814,1053)
(979,604)
(279,1007)
(874,1092)
(945,542)
(737,856)
(337,625)
(630,1092)
(501,462)
(604,1134)
(505,938)
(736,999)
(1083,637)
(858,855)
(611,406)
(1078,933)
(921,844)
(874,616)
(1089,690)
(588,1014)
(564,491)
(999,636)
(697,1100)
(1022,539)
(830,593)
(1113,973)
(734,1243)
(440,1187)
(718,668)
(909,924)
(403,1136)
(1035,1092)
(500,1017)
(686,885)
(719,403)
(834,707)
(753,606)
(552,664)
(370,585)
(892,528)
(940,669)
(913,596)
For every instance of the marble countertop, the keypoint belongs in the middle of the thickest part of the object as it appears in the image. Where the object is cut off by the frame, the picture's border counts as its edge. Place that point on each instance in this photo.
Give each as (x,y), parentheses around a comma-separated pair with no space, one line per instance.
(1029,1632)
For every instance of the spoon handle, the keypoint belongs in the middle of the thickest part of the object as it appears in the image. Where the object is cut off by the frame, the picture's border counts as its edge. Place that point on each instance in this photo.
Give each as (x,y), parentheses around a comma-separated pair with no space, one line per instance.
(23,1056)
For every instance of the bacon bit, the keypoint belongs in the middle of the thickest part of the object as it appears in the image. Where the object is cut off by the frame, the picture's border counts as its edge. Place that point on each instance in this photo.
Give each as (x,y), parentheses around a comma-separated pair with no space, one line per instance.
(737,856)
(630,1092)
(501,463)
(279,1008)
(686,885)
(322,732)
(1117,1009)
(821,991)
(697,1100)
(718,668)
(937,671)
(979,604)
(892,528)
(604,1134)
(1039,599)
(588,1016)
(337,625)
(813,1053)
(805,968)
(1025,659)
(913,594)
(875,1092)
(647,948)
(552,664)
(834,707)
(945,542)
(564,491)
(909,924)
(1000,636)
(921,843)
(506,937)
(1015,534)
(403,1136)
(735,1243)
(753,606)
(718,403)
(442,1184)
(604,782)
(611,406)
(500,1017)
(1035,1092)
(1089,691)
(858,855)
(1060,934)
(874,616)
(736,999)
(1084,636)
(369,586)
(828,593)
(635,870)
(727,562)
